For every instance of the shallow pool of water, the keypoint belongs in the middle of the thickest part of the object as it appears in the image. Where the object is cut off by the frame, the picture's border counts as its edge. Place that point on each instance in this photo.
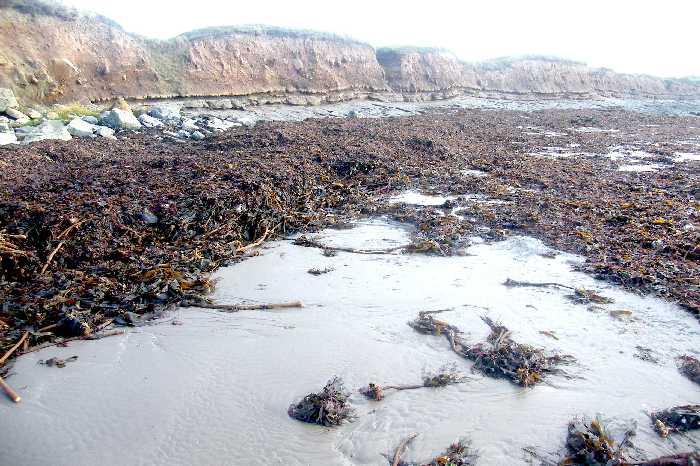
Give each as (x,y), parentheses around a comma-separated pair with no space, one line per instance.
(215,390)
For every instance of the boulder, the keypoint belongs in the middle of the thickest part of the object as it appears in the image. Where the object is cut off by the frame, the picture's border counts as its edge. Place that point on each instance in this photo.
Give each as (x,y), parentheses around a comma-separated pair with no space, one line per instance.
(34,114)
(80,128)
(7,135)
(183,134)
(8,138)
(50,129)
(220,104)
(197,136)
(167,113)
(104,132)
(19,117)
(52,116)
(90,119)
(247,121)
(120,119)
(150,122)
(7,99)
(189,125)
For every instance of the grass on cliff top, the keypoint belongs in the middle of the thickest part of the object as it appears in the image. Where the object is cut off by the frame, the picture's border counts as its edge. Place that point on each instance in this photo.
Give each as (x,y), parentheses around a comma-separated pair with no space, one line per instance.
(264,30)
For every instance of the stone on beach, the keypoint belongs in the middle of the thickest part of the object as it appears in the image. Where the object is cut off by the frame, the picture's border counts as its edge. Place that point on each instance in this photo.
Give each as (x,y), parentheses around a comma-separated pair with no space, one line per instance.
(7,99)
(80,128)
(149,121)
(120,119)
(50,129)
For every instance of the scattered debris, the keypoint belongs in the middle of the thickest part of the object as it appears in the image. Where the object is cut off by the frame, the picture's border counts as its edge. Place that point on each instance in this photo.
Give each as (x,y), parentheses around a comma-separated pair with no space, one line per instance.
(646,354)
(58,362)
(329,407)
(678,419)
(320,271)
(584,296)
(307,242)
(510,283)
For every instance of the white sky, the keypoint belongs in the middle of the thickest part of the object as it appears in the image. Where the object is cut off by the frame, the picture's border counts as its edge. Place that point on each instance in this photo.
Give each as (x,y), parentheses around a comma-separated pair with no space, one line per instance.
(660,37)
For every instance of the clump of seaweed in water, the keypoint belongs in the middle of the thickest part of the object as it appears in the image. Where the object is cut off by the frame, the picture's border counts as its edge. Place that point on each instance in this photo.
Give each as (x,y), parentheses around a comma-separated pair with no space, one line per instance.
(584,296)
(499,356)
(690,367)
(446,375)
(588,444)
(459,453)
(677,419)
(329,407)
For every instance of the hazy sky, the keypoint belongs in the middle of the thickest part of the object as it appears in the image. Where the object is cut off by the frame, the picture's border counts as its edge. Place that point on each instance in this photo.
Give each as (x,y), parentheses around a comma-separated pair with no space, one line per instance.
(659,37)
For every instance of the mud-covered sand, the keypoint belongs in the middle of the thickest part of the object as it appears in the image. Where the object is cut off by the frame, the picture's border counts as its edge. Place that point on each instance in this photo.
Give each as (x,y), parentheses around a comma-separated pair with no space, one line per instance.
(95,228)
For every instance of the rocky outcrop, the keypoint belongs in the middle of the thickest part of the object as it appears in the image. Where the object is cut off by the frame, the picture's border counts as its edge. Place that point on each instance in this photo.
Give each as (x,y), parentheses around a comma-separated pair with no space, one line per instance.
(50,54)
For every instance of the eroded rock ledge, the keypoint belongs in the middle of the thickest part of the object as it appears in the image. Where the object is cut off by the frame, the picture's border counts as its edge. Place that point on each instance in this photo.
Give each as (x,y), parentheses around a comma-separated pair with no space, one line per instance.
(51,54)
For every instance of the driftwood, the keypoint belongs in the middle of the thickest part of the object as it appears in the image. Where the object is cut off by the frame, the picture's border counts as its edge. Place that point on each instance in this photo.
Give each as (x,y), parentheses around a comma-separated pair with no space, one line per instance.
(9,391)
(307,242)
(510,283)
(9,352)
(400,449)
(66,340)
(446,375)
(242,307)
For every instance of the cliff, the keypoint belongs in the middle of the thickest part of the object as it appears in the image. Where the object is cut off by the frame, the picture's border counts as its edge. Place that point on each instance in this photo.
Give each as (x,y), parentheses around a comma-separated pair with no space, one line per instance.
(51,54)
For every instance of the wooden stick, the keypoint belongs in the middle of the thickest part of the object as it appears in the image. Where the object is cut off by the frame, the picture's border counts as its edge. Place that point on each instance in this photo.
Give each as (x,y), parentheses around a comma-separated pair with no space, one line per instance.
(14,348)
(48,327)
(66,340)
(258,242)
(401,448)
(70,228)
(10,392)
(50,258)
(315,244)
(243,307)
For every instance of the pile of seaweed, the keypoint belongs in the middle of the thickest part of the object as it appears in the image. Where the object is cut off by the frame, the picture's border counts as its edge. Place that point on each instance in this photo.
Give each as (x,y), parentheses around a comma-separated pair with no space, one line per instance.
(499,356)
(329,407)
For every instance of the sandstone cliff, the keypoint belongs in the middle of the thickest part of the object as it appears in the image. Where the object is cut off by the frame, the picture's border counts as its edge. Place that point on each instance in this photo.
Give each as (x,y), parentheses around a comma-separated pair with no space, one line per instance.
(55,55)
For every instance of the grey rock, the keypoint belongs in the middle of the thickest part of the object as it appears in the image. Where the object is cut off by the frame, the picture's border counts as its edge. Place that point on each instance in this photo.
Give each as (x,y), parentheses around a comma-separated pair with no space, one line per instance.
(149,217)
(183,134)
(7,99)
(167,113)
(34,114)
(19,117)
(149,121)
(90,119)
(197,136)
(189,125)
(120,119)
(80,128)
(195,103)
(218,124)
(52,116)
(247,121)
(8,137)
(4,119)
(5,127)
(50,129)
(104,132)
(220,104)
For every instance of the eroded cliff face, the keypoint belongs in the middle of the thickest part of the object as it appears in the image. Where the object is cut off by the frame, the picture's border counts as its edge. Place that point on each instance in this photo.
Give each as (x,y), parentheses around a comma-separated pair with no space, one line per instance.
(52,59)
(58,58)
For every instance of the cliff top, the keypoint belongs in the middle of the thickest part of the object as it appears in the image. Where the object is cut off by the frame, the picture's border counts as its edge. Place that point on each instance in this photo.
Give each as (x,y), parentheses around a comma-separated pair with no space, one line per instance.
(269,31)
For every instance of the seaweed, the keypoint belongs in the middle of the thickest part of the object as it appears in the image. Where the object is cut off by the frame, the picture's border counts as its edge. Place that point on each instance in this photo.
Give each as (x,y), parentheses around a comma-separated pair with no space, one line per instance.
(499,356)
(446,375)
(676,419)
(690,367)
(329,407)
